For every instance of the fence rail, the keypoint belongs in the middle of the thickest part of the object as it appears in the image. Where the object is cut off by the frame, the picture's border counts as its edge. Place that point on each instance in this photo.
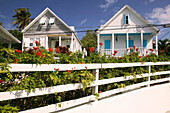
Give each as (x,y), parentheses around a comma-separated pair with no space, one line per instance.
(68,87)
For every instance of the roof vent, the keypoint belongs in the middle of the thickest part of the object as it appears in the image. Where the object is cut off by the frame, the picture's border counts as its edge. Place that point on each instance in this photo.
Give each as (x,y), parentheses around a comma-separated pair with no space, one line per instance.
(51,21)
(42,21)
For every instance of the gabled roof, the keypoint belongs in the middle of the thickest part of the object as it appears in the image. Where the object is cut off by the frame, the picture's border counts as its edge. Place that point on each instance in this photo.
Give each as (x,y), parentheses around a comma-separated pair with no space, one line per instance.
(133,11)
(6,37)
(41,15)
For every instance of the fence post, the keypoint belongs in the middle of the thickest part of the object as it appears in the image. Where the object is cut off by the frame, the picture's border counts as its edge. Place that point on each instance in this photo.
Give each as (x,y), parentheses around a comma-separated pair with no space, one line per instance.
(95,88)
(149,75)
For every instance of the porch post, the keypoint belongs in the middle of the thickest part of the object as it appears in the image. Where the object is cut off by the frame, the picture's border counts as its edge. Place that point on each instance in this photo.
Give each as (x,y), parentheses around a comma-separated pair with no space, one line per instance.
(46,42)
(141,40)
(59,40)
(9,45)
(98,41)
(113,43)
(156,38)
(71,45)
(127,38)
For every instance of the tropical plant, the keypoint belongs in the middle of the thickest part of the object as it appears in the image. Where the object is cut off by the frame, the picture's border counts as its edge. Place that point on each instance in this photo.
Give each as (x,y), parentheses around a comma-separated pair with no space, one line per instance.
(89,40)
(21,18)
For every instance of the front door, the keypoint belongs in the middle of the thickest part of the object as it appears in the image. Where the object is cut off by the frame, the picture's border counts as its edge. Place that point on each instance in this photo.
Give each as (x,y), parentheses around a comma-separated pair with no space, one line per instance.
(145,44)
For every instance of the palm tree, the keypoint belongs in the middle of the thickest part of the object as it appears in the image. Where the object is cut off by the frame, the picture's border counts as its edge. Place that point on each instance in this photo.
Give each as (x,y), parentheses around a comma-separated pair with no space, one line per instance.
(21,18)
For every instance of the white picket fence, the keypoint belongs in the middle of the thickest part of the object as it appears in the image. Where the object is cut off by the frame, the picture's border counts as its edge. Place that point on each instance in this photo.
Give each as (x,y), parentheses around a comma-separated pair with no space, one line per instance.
(61,88)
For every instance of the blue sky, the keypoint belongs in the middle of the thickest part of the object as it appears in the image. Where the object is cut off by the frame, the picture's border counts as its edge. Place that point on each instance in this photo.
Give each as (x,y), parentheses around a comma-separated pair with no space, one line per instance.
(82,13)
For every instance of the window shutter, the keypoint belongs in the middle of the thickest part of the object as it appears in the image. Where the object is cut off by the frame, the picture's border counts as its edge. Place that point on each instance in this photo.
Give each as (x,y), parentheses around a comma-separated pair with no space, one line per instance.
(124,18)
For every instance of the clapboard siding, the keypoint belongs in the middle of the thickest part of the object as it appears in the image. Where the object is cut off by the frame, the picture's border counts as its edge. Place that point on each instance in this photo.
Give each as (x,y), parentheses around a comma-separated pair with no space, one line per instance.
(57,28)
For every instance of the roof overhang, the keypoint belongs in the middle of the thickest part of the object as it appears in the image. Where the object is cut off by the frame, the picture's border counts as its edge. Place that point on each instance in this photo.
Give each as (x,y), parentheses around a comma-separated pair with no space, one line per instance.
(6,37)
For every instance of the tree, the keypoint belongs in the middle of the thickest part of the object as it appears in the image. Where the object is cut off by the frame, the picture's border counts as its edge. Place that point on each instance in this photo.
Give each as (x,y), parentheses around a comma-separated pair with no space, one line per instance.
(164,45)
(89,40)
(18,35)
(21,18)
(1,23)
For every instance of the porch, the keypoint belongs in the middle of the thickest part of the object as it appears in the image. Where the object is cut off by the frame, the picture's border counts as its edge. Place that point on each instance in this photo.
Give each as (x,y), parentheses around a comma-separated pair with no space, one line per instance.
(120,42)
(53,41)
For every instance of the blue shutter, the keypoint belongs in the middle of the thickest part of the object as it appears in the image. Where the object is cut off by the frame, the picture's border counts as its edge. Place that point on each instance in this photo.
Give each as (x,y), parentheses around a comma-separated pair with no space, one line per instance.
(145,43)
(107,44)
(124,18)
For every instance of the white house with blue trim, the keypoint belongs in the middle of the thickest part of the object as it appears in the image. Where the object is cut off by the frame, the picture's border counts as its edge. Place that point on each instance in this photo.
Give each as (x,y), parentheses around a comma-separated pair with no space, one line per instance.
(124,30)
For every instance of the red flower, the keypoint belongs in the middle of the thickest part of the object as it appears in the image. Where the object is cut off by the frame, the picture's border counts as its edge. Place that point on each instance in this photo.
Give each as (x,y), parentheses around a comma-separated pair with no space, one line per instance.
(143,54)
(95,73)
(137,49)
(146,56)
(100,91)
(50,49)
(115,51)
(81,63)
(161,51)
(1,81)
(121,57)
(37,43)
(18,51)
(69,71)
(91,49)
(130,48)
(56,69)
(153,53)
(146,51)
(151,49)
(114,54)
(15,62)
(134,46)
(35,47)
(86,67)
(139,56)
(101,43)
(127,49)
(132,53)
(57,50)
(38,53)
(43,56)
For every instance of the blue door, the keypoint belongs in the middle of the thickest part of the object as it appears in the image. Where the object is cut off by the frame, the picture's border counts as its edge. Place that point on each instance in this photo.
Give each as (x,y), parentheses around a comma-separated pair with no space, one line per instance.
(131,43)
(145,43)
(107,44)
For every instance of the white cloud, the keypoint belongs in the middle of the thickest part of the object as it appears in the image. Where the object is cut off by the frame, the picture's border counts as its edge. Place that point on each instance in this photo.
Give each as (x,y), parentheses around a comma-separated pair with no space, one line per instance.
(83,21)
(107,4)
(160,15)
(151,1)
(102,21)
(2,16)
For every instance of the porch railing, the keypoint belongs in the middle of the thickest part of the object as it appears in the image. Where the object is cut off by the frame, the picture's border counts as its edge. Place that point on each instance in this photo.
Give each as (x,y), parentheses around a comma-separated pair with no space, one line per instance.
(122,52)
(68,87)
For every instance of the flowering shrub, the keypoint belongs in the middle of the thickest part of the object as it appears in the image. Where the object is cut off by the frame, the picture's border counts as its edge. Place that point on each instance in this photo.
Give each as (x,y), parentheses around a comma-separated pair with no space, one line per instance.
(38,55)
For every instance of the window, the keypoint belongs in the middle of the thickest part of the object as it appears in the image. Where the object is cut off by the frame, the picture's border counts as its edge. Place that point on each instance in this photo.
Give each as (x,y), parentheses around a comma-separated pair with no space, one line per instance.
(51,21)
(42,21)
(31,42)
(126,18)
